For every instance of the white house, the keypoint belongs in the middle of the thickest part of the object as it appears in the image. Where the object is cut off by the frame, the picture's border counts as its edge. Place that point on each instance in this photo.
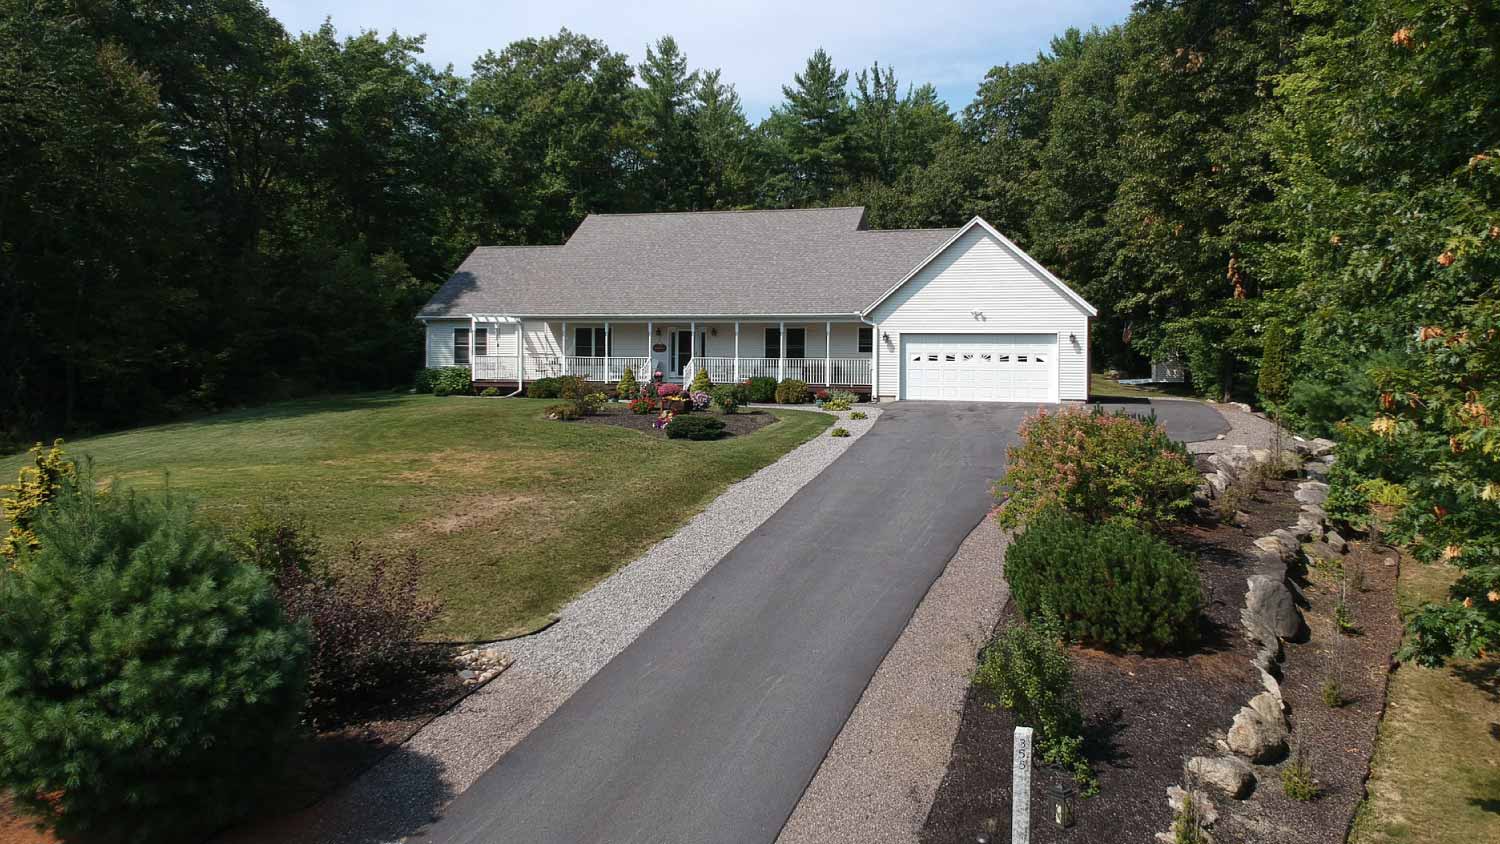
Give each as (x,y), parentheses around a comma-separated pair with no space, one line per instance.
(952,314)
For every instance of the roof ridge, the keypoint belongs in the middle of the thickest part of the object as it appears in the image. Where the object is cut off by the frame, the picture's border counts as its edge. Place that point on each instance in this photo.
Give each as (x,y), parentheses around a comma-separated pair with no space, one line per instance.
(721,211)
(918,229)
(522,246)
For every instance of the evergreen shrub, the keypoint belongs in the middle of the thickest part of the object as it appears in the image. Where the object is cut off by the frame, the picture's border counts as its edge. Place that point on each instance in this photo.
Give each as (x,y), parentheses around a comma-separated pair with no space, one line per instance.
(1113,585)
(726,397)
(762,389)
(695,428)
(544,388)
(452,381)
(701,382)
(149,681)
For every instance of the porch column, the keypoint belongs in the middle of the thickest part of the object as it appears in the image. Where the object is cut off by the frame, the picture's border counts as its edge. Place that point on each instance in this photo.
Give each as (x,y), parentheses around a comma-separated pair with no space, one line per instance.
(565,347)
(520,361)
(736,351)
(606,351)
(473,323)
(828,354)
(781,361)
(874,362)
(650,352)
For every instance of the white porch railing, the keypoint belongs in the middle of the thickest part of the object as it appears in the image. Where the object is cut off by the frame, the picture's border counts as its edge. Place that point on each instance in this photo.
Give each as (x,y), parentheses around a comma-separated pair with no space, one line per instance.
(494,368)
(844,372)
(610,369)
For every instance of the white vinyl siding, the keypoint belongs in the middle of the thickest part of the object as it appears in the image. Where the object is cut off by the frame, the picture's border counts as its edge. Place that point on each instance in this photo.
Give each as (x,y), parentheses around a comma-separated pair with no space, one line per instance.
(979,273)
(440,341)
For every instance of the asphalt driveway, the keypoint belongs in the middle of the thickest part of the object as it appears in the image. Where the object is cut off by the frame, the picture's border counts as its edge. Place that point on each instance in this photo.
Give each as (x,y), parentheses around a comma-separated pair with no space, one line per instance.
(710,725)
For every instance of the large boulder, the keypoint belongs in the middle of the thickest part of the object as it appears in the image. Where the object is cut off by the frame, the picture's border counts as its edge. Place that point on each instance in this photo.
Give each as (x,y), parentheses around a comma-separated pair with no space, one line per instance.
(1336,542)
(1259,730)
(1269,605)
(1311,492)
(1321,447)
(1229,774)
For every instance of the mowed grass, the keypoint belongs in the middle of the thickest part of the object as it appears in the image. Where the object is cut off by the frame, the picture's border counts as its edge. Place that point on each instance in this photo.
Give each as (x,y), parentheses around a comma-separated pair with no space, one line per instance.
(1103,387)
(1436,772)
(513,514)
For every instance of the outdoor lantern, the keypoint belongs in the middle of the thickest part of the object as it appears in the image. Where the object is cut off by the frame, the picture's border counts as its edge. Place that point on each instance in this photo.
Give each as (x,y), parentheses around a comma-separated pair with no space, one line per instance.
(1062,805)
(713,331)
(884,336)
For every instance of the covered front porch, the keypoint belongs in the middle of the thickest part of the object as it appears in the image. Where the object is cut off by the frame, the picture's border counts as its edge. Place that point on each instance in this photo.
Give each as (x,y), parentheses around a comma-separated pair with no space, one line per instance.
(832,353)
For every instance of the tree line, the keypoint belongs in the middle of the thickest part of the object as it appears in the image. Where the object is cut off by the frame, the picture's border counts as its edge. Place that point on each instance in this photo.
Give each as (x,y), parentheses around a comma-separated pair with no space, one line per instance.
(200,209)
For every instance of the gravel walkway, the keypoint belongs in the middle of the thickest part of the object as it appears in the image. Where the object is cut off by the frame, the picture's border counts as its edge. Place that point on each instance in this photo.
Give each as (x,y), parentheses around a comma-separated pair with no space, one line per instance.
(405,790)
(882,773)
(1245,429)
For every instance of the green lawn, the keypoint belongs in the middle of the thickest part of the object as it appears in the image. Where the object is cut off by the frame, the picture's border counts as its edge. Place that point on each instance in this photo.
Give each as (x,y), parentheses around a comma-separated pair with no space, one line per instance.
(1436,772)
(513,514)
(1103,387)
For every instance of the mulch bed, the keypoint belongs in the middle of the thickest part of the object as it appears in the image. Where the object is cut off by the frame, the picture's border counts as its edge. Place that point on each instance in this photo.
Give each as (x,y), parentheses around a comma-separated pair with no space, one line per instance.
(1144,715)
(741,422)
(1338,741)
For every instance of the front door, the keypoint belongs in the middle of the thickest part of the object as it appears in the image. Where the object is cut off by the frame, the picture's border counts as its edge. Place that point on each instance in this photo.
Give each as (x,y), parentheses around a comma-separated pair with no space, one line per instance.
(684,351)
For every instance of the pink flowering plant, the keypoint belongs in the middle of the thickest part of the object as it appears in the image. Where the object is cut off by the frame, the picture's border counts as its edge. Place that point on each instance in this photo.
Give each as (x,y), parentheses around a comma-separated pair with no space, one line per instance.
(1104,467)
(663,420)
(664,390)
(700,399)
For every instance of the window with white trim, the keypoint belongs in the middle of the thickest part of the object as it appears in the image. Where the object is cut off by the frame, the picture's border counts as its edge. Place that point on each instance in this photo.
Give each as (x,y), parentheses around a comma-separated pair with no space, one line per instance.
(461,346)
(589,342)
(796,342)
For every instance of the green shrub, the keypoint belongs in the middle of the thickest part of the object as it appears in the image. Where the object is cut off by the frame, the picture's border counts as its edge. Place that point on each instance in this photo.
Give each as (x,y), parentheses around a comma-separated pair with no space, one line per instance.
(762,389)
(562,411)
(452,381)
(701,382)
(1101,466)
(726,397)
(1026,669)
(791,391)
(1275,380)
(425,380)
(149,682)
(1297,780)
(574,387)
(544,388)
(695,427)
(839,432)
(859,414)
(35,486)
(1113,585)
(489,392)
(629,388)
(840,400)
(1333,694)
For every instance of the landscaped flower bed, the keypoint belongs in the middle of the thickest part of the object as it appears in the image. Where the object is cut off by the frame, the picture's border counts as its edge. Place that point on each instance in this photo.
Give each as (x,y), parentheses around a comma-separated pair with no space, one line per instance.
(735,424)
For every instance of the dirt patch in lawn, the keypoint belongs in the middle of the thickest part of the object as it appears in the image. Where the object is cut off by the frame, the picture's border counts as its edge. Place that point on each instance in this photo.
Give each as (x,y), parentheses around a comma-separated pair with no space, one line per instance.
(1146,715)
(735,424)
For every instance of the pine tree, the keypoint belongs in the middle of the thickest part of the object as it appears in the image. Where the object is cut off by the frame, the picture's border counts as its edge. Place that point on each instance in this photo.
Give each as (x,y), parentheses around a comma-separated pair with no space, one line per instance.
(726,141)
(148,681)
(813,133)
(672,159)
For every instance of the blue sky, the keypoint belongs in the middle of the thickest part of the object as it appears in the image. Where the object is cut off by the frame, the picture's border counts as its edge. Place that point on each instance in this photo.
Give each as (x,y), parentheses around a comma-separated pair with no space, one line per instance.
(759,44)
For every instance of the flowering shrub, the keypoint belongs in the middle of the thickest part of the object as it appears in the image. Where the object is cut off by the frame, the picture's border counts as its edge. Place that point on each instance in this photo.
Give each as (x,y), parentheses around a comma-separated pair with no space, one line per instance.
(700,399)
(791,391)
(664,390)
(839,400)
(1101,466)
(821,395)
(641,407)
(729,397)
(663,420)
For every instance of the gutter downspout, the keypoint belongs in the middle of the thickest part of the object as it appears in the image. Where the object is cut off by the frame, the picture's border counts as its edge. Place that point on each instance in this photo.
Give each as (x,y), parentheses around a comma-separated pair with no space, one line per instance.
(874,359)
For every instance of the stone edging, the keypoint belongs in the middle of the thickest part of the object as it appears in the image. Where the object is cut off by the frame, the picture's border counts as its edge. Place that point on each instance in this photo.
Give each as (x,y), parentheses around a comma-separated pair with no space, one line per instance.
(1261,732)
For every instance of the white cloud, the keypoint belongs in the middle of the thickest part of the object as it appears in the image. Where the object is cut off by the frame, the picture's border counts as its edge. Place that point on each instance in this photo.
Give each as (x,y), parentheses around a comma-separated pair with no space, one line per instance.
(758,43)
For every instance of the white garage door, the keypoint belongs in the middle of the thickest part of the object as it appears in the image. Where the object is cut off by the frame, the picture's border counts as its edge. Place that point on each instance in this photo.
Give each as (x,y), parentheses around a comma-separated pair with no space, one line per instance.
(979,367)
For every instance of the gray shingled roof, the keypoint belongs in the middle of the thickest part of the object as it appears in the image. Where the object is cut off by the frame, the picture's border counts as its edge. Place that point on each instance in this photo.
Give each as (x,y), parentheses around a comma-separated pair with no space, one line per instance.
(709,263)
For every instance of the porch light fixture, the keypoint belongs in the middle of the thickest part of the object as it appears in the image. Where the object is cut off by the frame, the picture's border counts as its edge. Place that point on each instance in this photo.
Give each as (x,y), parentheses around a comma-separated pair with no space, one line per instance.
(885,337)
(658,332)
(713,332)
(1072,338)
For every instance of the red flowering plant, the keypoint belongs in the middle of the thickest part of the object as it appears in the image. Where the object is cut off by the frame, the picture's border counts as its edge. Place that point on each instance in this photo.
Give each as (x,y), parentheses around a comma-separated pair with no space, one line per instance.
(1104,467)
(642,406)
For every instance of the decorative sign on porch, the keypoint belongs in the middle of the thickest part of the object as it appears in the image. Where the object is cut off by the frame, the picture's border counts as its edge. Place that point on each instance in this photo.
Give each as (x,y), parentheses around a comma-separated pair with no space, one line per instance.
(659,347)
(1020,788)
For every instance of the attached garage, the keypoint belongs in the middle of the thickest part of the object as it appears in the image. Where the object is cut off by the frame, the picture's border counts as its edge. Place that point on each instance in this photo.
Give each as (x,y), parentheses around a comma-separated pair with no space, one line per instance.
(980,320)
(979,367)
